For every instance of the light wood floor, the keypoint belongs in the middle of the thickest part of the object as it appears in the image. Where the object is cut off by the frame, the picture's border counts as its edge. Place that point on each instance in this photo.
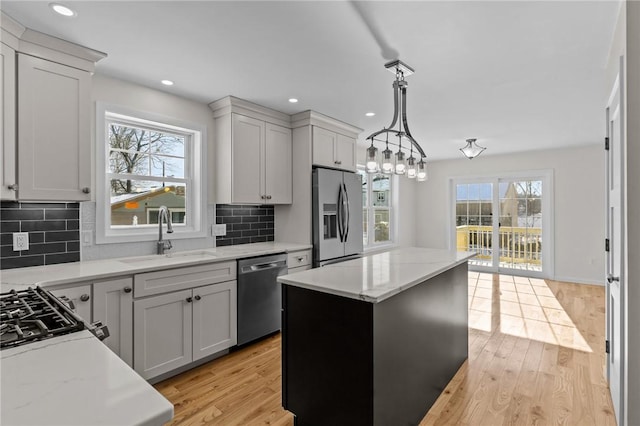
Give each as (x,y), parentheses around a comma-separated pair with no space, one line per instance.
(536,357)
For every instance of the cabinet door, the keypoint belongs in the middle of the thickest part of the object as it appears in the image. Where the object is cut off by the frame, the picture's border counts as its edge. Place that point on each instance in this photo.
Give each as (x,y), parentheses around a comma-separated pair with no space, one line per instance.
(323,145)
(113,306)
(346,153)
(248,136)
(8,122)
(214,318)
(54,161)
(278,165)
(162,333)
(81,298)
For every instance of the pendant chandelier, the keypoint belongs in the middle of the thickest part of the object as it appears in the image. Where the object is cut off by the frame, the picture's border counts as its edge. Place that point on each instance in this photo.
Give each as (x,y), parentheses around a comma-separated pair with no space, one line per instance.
(387,161)
(472,149)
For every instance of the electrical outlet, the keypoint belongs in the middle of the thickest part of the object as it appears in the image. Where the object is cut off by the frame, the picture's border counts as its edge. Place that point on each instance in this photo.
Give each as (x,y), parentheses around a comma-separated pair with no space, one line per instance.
(219,230)
(20,241)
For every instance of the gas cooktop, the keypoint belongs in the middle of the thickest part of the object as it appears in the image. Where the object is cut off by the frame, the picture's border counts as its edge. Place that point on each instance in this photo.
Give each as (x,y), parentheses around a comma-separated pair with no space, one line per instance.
(34,314)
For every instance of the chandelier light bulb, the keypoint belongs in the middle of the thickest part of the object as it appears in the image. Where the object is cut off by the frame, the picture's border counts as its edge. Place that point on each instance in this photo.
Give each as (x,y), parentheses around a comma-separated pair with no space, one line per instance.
(401,167)
(372,165)
(387,161)
(421,175)
(411,168)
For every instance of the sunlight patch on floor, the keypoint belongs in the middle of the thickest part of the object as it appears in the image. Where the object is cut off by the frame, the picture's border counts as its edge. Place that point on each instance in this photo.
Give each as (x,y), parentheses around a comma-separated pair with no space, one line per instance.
(522,307)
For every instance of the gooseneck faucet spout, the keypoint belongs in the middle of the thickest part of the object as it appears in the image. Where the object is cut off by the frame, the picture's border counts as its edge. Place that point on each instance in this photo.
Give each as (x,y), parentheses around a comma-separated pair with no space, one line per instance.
(164,214)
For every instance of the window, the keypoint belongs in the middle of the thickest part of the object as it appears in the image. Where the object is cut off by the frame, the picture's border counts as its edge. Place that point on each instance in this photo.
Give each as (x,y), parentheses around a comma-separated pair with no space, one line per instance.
(149,161)
(376,209)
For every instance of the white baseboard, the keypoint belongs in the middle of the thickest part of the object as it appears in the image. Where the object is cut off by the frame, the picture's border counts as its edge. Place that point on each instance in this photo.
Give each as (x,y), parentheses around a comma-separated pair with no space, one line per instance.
(579,280)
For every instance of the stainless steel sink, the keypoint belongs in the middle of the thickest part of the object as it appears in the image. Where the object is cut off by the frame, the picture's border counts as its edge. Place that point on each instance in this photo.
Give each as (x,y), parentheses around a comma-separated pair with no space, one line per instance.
(192,255)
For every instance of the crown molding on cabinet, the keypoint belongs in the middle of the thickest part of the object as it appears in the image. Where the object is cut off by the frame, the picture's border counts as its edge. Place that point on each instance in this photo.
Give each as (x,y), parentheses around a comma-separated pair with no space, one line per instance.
(313,118)
(231,104)
(30,42)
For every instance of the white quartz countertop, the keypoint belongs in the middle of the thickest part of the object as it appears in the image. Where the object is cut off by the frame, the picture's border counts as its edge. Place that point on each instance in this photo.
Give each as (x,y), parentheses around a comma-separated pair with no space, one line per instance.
(75,379)
(377,277)
(66,273)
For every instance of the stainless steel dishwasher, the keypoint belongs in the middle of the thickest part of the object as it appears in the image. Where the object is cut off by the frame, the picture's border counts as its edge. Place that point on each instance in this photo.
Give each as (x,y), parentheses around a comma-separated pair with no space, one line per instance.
(259,296)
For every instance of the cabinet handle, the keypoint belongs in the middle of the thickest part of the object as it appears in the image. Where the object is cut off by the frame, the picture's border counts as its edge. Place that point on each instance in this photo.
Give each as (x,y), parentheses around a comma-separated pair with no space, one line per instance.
(300,258)
(86,190)
(268,197)
(337,162)
(198,297)
(189,299)
(127,289)
(263,196)
(13,187)
(84,297)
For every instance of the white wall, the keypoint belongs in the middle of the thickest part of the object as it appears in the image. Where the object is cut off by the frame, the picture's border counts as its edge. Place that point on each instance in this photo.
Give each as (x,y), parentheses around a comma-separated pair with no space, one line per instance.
(633,209)
(118,92)
(578,204)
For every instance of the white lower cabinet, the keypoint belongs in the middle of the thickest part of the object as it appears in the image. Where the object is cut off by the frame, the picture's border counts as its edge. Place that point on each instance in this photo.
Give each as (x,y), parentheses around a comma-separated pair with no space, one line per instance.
(113,306)
(174,329)
(80,295)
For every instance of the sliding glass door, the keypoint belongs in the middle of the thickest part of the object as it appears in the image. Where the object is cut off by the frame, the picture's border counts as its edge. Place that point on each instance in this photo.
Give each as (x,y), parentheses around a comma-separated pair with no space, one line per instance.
(506,221)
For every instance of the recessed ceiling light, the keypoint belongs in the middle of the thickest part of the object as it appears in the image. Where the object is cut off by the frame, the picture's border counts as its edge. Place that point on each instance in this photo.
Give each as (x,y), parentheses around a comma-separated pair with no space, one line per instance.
(167,82)
(62,9)
(293,100)
(370,114)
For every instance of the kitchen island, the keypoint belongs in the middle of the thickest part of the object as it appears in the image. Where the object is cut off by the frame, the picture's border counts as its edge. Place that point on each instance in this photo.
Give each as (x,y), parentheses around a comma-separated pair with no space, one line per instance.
(375,340)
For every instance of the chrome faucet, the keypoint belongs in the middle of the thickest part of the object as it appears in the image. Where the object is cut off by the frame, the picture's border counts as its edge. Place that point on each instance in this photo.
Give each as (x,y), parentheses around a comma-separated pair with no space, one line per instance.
(163,213)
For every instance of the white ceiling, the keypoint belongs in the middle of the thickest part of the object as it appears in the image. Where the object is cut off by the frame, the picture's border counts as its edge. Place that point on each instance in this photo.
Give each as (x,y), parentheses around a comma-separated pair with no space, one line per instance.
(516,75)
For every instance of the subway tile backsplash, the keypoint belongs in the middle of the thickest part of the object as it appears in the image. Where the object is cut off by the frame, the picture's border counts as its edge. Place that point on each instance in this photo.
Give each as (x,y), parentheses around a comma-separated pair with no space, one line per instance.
(245,224)
(54,233)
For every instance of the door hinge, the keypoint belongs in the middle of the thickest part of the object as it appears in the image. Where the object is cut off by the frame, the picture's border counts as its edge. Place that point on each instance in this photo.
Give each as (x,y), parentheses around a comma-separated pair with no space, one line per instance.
(606,144)
(606,346)
(606,244)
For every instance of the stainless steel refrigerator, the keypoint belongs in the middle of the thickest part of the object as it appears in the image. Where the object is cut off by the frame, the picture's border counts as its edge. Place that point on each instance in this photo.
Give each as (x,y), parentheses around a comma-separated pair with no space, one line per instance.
(337,216)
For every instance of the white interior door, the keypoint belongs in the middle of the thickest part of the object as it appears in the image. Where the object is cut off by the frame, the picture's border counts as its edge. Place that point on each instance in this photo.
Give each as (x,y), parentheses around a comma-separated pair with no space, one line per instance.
(615,254)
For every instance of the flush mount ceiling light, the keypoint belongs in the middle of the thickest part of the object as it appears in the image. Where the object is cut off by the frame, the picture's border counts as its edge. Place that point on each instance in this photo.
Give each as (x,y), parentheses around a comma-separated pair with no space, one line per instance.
(370,114)
(472,149)
(167,82)
(390,162)
(62,9)
(293,100)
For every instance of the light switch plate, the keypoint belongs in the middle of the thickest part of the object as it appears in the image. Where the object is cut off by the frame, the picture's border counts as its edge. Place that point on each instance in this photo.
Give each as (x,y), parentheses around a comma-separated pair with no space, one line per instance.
(20,241)
(219,230)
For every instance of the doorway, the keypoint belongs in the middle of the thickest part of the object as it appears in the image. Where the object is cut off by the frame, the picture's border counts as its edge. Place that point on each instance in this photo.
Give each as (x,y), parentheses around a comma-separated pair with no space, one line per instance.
(506,220)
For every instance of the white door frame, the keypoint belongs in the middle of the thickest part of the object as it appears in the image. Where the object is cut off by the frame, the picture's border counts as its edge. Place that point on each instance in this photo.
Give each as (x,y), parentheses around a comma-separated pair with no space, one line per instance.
(614,110)
(546,175)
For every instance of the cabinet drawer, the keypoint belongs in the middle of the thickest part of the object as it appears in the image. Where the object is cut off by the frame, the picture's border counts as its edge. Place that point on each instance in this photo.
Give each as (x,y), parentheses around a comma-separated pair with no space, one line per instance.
(182,278)
(299,258)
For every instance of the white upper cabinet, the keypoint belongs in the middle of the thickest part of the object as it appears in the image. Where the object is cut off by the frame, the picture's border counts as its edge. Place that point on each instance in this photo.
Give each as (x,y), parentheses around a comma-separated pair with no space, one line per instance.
(277,159)
(47,137)
(54,152)
(8,180)
(331,149)
(253,159)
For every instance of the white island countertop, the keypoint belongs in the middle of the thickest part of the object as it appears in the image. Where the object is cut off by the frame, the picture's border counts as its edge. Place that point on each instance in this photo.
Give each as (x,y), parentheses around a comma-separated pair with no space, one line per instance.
(377,277)
(75,380)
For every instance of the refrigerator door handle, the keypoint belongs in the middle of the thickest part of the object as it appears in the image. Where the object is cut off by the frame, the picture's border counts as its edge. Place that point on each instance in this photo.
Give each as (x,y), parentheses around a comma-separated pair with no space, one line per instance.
(339,214)
(348,213)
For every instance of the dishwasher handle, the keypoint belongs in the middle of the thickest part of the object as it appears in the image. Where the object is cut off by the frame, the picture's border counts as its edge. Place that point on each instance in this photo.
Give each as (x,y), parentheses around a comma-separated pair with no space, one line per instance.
(262,266)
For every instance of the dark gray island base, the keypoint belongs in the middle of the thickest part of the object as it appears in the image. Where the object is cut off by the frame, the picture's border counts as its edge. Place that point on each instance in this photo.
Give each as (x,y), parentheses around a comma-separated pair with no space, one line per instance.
(353,362)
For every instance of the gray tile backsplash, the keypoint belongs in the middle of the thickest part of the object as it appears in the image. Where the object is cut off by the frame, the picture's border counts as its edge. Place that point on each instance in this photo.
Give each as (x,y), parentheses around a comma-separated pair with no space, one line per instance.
(53,228)
(245,224)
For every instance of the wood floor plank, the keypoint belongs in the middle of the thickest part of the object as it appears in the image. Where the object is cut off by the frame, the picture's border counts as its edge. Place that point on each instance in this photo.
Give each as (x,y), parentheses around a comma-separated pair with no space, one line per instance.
(536,357)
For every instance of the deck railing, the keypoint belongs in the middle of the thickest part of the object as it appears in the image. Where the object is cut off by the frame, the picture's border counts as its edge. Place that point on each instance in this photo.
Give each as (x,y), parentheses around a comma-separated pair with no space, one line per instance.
(516,244)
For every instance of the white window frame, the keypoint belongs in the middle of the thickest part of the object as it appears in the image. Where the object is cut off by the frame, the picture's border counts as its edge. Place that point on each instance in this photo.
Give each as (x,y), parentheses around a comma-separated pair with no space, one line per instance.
(195,175)
(371,244)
